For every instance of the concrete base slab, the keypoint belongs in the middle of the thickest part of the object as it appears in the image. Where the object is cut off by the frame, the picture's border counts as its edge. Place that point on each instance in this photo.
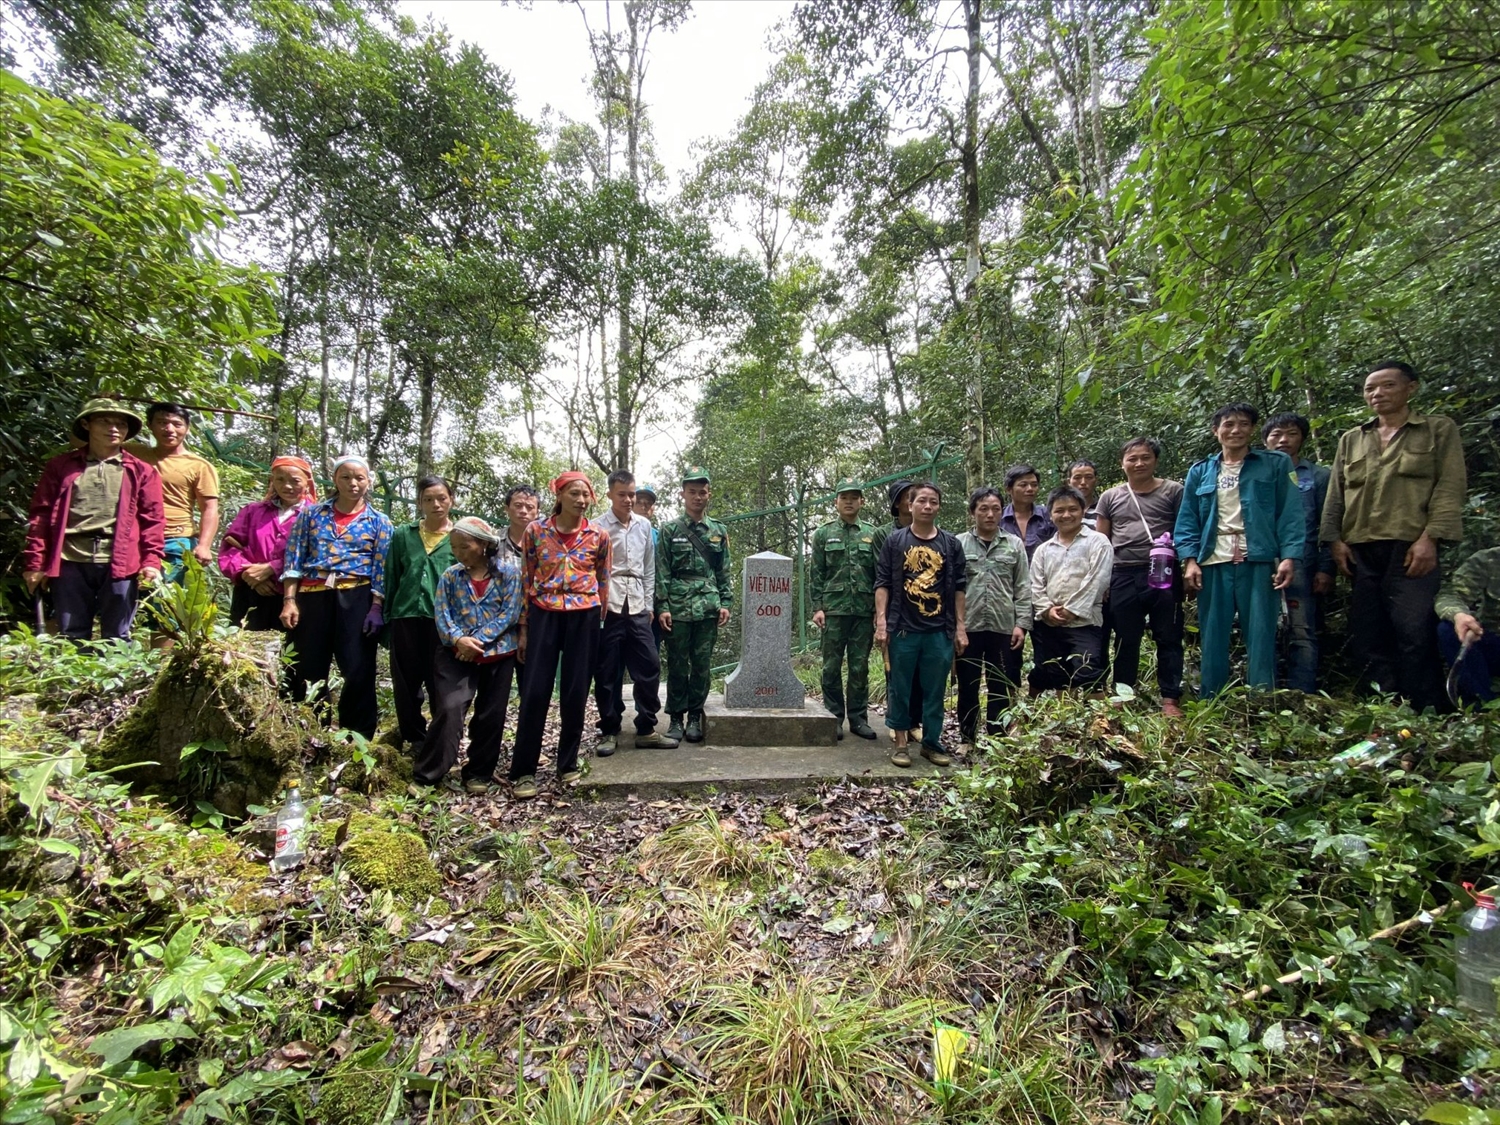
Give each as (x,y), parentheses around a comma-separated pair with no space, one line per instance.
(808,725)
(758,768)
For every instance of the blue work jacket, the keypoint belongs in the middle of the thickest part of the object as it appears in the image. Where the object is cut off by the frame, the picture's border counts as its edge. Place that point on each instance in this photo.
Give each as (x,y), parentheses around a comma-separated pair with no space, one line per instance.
(1275,522)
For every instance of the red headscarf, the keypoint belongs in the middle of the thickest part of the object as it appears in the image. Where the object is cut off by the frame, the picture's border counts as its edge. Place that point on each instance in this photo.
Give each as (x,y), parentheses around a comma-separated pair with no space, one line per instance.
(310,492)
(568,478)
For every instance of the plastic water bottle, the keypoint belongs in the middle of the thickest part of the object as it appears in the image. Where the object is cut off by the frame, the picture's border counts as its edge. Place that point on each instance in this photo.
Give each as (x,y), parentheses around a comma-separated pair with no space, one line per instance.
(1163,563)
(291,831)
(1479,955)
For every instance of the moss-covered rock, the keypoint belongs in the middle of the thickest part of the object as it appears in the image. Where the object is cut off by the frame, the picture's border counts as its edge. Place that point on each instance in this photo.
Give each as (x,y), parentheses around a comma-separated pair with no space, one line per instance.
(377,767)
(354,1093)
(220,696)
(381,856)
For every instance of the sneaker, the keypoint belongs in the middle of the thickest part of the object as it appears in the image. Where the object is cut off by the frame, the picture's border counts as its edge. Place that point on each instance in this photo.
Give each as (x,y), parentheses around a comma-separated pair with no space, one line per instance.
(936,756)
(695,727)
(606,746)
(915,734)
(476,786)
(523,788)
(674,730)
(1171,708)
(863,730)
(572,777)
(899,757)
(655,741)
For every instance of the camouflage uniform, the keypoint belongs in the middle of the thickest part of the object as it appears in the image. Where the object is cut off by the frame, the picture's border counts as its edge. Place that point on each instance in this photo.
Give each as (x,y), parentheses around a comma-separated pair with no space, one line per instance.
(842,585)
(1474,588)
(692,590)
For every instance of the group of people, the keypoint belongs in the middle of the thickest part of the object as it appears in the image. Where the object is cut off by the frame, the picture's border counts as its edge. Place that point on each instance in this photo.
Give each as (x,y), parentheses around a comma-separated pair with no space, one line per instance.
(466,608)
(1256,533)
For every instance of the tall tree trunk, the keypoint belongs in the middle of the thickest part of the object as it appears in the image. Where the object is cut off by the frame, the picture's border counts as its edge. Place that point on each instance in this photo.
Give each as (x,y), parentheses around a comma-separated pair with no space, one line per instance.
(974,463)
(323,387)
(427,394)
(626,375)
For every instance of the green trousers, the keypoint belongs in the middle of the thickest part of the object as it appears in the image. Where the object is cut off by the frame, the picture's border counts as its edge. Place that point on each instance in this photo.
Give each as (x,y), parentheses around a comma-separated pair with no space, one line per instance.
(690,655)
(1243,588)
(852,635)
(928,655)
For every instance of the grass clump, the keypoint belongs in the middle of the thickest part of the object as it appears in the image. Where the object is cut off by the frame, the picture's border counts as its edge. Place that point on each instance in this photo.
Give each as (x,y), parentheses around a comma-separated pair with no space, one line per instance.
(564,943)
(708,848)
(795,1050)
(380,856)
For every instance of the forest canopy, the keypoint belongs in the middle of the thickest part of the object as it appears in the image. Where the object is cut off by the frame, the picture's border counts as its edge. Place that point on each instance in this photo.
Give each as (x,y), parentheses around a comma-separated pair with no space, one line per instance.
(1010,231)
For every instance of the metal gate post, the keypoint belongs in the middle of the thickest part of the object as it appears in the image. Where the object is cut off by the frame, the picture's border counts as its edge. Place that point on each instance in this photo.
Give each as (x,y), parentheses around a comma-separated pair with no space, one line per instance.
(801,567)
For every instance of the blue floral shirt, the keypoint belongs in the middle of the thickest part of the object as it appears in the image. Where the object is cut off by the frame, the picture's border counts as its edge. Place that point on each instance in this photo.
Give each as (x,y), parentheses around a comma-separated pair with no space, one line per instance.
(318,548)
(490,618)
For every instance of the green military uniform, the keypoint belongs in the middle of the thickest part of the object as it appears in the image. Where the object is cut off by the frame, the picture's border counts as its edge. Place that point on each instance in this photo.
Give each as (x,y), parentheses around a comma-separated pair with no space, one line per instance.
(842,586)
(692,585)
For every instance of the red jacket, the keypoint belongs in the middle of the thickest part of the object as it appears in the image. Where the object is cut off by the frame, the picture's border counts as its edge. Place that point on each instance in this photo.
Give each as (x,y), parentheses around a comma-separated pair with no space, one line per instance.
(140,523)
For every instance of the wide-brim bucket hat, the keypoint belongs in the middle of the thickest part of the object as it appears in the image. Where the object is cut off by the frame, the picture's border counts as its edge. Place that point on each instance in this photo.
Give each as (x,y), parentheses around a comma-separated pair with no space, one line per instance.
(106,406)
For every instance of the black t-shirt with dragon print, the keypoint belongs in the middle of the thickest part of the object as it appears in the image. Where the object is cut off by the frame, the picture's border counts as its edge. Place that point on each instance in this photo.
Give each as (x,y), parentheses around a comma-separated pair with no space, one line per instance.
(923,577)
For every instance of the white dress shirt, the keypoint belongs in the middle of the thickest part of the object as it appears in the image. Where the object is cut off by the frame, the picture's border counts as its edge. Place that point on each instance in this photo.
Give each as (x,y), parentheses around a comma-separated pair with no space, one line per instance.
(632,576)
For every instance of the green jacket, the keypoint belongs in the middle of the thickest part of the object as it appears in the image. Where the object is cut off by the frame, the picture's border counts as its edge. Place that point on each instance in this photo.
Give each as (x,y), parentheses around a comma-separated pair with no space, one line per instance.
(411,574)
(998,596)
(842,582)
(1416,483)
(689,587)
(1474,588)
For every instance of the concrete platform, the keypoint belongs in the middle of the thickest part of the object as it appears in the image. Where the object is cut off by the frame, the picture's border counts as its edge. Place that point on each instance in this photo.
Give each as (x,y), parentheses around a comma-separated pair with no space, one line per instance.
(806,726)
(757,768)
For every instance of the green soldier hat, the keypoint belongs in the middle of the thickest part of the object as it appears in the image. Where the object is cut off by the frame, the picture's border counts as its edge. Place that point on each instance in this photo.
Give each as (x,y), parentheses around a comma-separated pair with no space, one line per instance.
(849,486)
(694,474)
(646,487)
(106,406)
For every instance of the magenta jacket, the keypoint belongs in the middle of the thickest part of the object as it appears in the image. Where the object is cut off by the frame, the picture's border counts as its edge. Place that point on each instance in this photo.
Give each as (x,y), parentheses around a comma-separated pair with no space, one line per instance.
(264,538)
(140,524)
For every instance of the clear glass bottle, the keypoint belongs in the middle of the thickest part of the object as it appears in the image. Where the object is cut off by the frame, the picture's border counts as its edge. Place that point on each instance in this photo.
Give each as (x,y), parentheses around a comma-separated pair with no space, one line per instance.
(1479,955)
(291,831)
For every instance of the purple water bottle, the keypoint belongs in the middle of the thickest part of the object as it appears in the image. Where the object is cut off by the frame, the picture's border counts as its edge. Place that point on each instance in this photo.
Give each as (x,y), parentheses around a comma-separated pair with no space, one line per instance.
(1163,563)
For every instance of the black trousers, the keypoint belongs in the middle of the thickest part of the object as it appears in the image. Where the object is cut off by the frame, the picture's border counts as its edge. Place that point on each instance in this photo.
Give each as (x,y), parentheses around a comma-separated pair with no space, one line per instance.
(456,684)
(259,613)
(628,643)
(1134,605)
(989,656)
(570,638)
(1066,657)
(330,628)
(1392,625)
(84,591)
(414,640)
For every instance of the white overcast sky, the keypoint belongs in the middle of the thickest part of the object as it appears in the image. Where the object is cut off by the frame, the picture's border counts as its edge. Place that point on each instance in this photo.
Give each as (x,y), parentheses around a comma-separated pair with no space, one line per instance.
(699,80)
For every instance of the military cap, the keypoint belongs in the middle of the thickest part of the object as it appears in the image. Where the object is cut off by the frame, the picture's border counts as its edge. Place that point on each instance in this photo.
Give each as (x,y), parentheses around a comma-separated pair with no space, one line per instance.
(693,474)
(105,406)
(849,486)
(647,488)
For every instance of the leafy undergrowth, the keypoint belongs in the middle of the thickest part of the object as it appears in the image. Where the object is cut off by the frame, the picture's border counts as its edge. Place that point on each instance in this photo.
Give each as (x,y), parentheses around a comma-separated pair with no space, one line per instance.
(1101,908)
